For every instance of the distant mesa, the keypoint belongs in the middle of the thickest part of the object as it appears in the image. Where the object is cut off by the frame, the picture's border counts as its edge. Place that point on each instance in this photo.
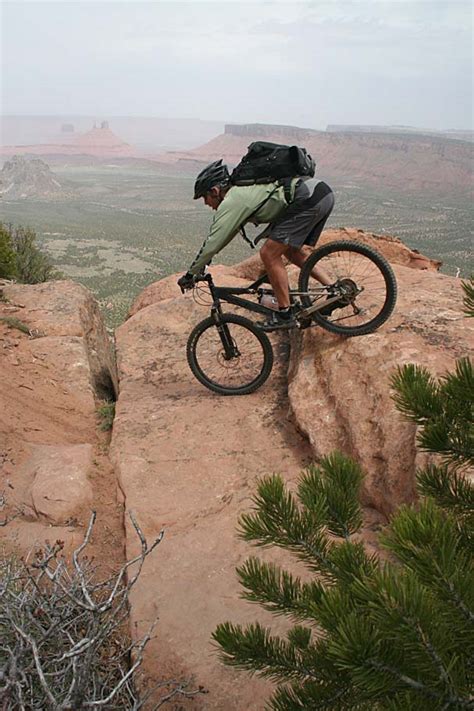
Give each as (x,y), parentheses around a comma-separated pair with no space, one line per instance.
(405,160)
(263,129)
(22,178)
(98,141)
(457,134)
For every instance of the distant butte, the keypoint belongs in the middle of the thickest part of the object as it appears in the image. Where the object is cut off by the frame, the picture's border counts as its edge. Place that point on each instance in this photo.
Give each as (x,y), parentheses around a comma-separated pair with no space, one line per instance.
(99,142)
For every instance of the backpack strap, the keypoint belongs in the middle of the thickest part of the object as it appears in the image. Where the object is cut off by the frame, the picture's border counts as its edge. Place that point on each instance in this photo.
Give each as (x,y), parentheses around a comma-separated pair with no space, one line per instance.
(242,228)
(244,235)
(286,185)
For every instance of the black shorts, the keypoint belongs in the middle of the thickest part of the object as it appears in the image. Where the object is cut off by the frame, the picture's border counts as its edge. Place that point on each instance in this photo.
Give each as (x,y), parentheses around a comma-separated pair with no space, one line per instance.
(304,220)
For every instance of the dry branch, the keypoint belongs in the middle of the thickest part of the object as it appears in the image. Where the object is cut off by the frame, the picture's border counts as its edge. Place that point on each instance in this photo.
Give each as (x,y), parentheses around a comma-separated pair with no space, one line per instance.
(64,639)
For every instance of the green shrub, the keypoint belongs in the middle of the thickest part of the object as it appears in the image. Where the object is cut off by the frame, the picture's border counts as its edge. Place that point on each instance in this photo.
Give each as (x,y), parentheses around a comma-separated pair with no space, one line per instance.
(106,414)
(7,255)
(23,258)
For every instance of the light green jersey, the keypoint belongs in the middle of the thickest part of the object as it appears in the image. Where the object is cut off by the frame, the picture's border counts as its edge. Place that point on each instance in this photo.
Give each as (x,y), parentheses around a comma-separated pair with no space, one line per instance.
(260,203)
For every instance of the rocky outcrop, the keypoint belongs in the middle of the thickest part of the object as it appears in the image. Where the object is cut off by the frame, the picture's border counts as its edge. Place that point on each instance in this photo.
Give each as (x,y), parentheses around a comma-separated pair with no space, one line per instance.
(61,490)
(56,364)
(22,178)
(100,142)
(339,390)
(188,460)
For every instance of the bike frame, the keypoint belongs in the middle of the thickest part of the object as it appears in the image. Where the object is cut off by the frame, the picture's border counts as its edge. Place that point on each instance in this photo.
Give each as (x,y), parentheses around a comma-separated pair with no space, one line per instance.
(231,295)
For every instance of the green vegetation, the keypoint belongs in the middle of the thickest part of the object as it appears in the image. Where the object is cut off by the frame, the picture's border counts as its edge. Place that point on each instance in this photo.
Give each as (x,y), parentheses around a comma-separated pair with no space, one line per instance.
(20,257)
(125,226)
(370,634)
(13,322)
(106,414)
(7,255)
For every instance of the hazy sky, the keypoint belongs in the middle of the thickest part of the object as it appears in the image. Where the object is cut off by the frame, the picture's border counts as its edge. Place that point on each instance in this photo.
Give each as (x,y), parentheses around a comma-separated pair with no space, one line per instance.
(301,63)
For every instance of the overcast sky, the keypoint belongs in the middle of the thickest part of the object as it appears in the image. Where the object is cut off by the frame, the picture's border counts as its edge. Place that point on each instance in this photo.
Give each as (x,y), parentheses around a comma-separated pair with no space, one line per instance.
(301,63)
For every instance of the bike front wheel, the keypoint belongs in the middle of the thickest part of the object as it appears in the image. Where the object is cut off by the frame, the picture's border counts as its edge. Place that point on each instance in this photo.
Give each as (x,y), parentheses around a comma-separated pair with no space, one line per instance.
(231,357)
(363,278)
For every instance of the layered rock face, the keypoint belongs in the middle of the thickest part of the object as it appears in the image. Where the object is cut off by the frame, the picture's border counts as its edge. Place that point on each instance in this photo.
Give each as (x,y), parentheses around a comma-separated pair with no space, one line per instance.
(404,162)
(188,460)
(56,362)
(339,390)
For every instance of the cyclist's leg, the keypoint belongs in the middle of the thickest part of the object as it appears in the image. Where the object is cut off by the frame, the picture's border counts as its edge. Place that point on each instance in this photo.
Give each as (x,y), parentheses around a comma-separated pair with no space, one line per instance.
(312,222)
(301,224)
(271,254)
(299,257)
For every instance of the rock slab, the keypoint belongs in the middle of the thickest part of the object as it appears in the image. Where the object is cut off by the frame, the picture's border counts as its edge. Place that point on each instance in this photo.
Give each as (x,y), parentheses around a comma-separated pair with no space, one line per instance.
(61,491)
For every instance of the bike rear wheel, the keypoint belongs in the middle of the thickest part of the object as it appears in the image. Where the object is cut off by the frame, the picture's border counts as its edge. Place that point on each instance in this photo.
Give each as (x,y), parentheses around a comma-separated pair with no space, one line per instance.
(363,277)
(239,372)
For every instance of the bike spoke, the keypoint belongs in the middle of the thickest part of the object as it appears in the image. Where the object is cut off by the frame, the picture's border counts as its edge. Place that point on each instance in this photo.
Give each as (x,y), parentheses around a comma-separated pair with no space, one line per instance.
(234,372)
(369,286)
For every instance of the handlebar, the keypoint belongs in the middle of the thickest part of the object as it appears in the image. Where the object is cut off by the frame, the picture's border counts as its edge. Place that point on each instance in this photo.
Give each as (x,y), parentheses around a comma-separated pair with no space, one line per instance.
(197,277)
(203,277)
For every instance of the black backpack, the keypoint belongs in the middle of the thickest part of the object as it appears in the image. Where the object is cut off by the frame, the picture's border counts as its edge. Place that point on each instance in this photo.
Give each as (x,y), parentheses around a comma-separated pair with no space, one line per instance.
(267,162)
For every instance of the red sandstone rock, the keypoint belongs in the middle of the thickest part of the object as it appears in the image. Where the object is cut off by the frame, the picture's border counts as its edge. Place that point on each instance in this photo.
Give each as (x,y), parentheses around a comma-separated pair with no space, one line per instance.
(339,389)
(188,459)
(61,490)
(49,383)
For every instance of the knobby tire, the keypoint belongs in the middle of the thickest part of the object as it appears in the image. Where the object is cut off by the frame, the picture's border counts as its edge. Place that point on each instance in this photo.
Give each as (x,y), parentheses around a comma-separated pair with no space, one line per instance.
(344,253)
(256,356)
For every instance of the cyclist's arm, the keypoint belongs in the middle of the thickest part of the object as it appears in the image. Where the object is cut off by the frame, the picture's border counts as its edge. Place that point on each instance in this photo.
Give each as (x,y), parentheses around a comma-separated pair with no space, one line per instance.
(229,217)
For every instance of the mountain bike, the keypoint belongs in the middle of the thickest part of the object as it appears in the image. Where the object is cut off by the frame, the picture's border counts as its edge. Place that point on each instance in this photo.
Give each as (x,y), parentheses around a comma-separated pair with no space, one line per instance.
(232,355)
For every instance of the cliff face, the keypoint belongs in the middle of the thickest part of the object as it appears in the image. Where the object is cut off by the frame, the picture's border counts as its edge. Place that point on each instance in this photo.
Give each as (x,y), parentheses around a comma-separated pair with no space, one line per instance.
(406,162)
(255,130)
(98,142)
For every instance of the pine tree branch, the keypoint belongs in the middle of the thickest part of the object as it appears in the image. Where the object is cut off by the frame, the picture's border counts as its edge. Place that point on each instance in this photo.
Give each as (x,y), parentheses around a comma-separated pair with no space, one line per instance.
(331,491)
(277,590)
(418,685)
(425,642)
(278,521)
(416,395)
(314,696)
(428,542)
(254,649)
(450,489)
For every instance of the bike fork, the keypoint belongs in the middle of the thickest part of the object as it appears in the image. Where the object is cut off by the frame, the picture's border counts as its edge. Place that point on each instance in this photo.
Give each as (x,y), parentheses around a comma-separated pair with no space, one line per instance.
(228,344)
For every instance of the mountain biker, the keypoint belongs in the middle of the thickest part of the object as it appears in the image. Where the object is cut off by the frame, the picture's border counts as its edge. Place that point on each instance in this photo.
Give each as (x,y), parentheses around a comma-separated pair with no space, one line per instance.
(292,227)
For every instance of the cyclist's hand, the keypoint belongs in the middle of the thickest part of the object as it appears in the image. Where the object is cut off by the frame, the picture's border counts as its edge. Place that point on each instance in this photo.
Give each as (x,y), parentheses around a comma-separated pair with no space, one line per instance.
(186,282)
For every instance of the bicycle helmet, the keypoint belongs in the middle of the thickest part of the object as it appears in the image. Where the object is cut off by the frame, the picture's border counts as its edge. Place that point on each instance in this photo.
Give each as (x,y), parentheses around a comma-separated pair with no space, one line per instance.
(213,174)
